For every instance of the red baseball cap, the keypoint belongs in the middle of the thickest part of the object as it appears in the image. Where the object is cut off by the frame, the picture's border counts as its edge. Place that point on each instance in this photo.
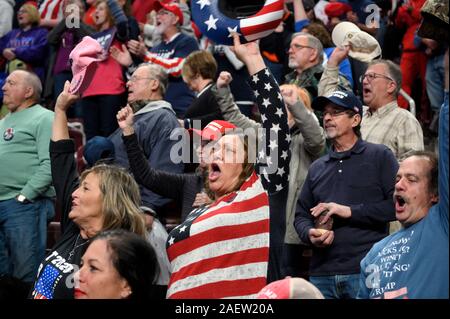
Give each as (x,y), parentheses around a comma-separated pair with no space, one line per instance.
(337,9)
(215,130)
(290,288)
(82,59)
(171,7)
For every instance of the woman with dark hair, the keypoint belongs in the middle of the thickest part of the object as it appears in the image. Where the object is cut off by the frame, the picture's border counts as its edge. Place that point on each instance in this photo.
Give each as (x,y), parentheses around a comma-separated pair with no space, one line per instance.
(117,264)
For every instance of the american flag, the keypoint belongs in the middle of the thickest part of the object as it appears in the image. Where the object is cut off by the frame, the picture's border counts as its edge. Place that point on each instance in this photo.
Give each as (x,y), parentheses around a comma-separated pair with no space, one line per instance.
(222,251)
(43,288)
(51,9)
(220,28)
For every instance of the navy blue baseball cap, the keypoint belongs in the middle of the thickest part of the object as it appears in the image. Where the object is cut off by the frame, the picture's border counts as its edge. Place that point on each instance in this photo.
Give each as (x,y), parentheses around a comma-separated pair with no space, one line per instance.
(345,99)
(98,148)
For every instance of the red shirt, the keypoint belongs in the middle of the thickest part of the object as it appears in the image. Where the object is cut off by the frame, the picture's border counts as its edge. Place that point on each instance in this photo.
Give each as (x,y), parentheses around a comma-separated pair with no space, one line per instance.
(108,77)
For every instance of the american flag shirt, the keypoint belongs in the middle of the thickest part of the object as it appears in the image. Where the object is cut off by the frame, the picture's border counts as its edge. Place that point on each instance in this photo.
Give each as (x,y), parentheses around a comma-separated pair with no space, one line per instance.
(51,9)
(222,250)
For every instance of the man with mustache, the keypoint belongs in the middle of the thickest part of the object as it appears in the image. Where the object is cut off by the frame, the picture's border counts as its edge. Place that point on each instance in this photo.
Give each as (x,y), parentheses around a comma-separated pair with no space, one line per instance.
(352,186)
(413,263)
(384,122)
(170,53)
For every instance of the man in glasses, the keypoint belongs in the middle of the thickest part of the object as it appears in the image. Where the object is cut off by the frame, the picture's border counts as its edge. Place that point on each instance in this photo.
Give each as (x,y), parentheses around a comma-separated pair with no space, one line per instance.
(384,122)
(154,121)
(170,53)
(414,262)
(306,58)
(346,201)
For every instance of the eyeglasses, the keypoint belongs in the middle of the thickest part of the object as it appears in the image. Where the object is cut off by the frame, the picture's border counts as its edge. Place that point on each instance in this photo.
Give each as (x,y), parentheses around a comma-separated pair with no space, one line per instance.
(163,12)
(296,46)
(335,113)
(372,75)
(136,78)
(21,11)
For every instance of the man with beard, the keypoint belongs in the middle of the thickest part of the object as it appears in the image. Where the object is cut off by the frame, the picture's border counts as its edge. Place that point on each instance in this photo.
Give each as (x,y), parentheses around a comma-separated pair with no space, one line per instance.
(384,122)
(170,53)
(306,58)
(413,263)
(346,201)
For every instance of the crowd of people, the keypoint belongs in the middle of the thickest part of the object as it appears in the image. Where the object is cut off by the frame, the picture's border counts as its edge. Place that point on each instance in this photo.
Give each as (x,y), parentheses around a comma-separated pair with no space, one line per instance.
(301,165)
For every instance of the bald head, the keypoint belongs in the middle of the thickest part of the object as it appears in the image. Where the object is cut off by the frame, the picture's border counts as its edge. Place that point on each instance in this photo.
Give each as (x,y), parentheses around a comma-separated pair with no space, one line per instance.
(34,82)
(21,90)
(157,72)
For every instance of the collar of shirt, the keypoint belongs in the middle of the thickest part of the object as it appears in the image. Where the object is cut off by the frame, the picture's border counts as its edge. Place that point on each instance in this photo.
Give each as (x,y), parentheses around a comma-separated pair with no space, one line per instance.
(173,37)
(383,111)
(359,147)
(203,91)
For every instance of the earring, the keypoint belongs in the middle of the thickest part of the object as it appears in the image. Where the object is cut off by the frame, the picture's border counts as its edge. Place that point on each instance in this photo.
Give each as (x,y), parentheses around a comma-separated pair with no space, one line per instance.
(126,294)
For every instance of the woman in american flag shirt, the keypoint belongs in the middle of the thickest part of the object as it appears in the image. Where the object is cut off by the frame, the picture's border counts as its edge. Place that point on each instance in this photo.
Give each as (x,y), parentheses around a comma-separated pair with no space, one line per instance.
(229,249)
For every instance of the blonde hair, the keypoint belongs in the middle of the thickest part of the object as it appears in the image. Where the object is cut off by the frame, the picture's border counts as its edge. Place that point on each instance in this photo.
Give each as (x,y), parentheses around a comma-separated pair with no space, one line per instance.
(33,12)
(121,198)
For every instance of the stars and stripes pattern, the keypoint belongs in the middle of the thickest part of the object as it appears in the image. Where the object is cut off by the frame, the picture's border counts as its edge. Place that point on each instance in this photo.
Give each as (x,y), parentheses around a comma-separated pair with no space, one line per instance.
(274,153)
(222,250)
(51,9)
(172,66)
(220,28)
(43,288)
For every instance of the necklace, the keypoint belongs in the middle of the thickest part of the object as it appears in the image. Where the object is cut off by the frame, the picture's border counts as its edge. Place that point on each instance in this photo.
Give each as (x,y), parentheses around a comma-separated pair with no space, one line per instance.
(75,246)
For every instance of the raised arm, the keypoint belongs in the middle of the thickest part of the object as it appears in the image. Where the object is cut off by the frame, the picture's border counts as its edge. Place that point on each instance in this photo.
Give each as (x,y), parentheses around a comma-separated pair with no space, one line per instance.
(331,79)
(160,182)
(306,121)
(120,19)
(60,130)
(230,111)
(63,166)
(301,19)
(443,151)
(274,152)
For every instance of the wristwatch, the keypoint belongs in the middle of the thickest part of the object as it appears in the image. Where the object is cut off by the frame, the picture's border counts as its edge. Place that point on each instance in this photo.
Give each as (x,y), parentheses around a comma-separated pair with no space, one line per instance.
(22,199)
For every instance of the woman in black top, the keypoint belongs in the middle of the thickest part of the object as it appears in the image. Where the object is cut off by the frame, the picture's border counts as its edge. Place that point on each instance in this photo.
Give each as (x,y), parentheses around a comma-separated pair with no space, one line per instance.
(199,72)
(104,197)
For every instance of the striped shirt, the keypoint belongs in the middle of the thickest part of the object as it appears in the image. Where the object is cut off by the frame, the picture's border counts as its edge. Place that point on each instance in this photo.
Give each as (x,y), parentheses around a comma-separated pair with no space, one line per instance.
(394,127)
(171,55)
(51,9)
(222,250)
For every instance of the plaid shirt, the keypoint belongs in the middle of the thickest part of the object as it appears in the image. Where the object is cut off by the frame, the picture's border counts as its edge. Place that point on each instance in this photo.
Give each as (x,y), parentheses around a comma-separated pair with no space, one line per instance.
(394,127)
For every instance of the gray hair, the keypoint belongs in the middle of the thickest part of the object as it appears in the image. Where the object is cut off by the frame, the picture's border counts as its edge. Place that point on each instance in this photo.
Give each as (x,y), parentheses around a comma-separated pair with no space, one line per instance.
(393,71)
(158,73)
(32,80)
(313,42)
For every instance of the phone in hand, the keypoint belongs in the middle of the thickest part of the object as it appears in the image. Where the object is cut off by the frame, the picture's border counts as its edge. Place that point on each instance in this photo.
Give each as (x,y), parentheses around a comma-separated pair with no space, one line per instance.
(319,224)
